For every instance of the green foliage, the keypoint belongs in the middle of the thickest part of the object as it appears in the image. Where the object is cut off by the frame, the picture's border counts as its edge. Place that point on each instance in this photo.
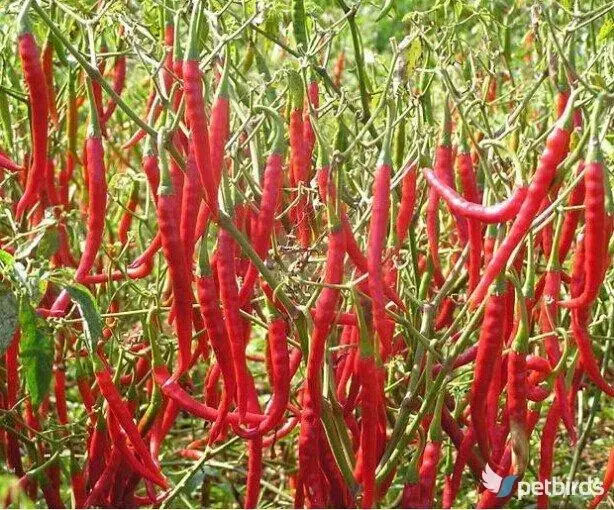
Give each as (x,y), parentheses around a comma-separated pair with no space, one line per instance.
(36,352)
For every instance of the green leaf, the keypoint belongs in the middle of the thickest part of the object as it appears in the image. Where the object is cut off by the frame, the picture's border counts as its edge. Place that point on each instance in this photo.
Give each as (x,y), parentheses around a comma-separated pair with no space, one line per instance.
(49,244)
(567,4)
(8,318)
(6,259)
(92,328)
(413,54)
(36,352)
(606,31)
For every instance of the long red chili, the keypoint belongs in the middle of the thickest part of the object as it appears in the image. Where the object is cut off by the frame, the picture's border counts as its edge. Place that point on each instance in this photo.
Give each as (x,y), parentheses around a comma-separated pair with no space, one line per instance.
(47,65)
(548,321)
(119,81)
(557,146)
(430,459)
(39,106)
(490,343)
(126,220)
(608,479)
(579,319)
(495,213)
(219,125)
(277,337)
(595,228)
(214,323)
(121,412)
(196,115)
(517,389)
(568,232)
(190,204)
(378,226)
(408,201)
(168,218)
(229,298)
(471,193)
(547,449)
(271,186)
(310,416)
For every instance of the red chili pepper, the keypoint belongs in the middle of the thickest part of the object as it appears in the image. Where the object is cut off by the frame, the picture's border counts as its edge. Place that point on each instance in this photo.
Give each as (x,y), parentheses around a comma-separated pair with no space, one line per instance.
(464,451)
(572,217)
(271,186)
(229,298)
(47,65)
(121,412)
(190,204)
(517,389)
(151,167)
(548,437)
(126,220)
(196,115)
(428,472)
(338,69)
(310,470)
(496,213)
(101,489)
(471,193)
(280,360)
(168,211)
(60,393)
(408,201)
(77,482)
(366,372)
(313,94)
(490,344)
(97,450)
(557,146)
(548,319)
(595,263)
(411,496)
(443,155)
(119,81)
(129,459)
(214,323)
(219,126)
(39,105)
(97,204)
(353,250)
(608,479)
(579,319)
(378,226)
(173,390)
(7,163)
(254,473)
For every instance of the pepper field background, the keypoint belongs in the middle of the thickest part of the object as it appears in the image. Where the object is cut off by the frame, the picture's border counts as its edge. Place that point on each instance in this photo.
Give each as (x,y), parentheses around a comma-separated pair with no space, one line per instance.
(498,64)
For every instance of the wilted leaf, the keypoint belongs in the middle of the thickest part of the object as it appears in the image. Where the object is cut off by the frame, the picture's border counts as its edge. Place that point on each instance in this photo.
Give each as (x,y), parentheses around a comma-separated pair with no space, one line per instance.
(26,250)
(8,318)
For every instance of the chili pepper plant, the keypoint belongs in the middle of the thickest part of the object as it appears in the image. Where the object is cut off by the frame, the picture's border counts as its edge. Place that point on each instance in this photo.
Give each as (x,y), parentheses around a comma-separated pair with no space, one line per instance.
(306,254)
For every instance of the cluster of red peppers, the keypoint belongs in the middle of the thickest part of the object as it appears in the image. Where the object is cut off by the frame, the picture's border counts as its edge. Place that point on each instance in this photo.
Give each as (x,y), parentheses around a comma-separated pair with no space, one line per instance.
(352,369)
